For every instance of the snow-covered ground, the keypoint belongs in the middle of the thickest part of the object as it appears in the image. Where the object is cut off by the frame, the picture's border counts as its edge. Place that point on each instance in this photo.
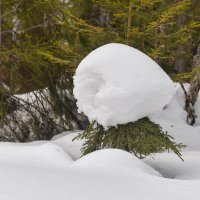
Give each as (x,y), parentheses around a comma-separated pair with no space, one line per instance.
(112,90)
(53,170)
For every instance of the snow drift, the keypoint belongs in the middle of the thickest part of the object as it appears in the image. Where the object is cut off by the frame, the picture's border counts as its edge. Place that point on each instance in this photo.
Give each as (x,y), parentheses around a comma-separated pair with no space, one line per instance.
(117,84)
(54,171)
(114,160)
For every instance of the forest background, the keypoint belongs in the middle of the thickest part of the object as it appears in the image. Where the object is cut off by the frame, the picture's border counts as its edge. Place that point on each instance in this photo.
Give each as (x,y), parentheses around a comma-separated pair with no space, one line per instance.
(43,41)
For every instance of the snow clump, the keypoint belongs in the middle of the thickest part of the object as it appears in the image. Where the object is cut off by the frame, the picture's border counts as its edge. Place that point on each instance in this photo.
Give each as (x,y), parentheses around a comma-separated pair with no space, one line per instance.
(117,84)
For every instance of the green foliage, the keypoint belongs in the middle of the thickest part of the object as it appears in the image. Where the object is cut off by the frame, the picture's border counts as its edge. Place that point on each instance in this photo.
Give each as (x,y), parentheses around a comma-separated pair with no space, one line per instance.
(38,49)
(186,77)
(158,28)
(142,138)
(42,40)
(182,78)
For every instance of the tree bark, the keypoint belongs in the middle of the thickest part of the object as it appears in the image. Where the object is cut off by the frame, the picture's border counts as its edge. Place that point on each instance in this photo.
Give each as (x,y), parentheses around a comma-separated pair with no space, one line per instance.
(192,95)
(129,21)
(0,26)
(196,58)
(180,63)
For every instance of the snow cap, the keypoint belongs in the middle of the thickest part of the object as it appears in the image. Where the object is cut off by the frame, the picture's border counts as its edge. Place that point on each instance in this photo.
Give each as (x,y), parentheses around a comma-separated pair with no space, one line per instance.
(117,84)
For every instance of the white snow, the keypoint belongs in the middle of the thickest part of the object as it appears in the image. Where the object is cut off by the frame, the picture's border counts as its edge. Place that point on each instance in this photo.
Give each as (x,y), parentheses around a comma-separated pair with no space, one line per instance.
(171,167)
(35,155)
(44,171)
(114,160)
(173,120)
(53,170)
(64,140)
(117,84)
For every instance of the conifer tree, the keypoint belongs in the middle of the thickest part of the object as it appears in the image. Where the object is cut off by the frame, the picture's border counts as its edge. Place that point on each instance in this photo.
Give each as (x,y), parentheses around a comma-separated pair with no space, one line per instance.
(43,37)
(39,51)
(153,27)
(142,137)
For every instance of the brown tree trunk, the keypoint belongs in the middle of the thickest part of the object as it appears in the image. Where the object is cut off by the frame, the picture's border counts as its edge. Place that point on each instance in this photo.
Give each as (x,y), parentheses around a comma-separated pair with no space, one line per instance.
(181,61)
(129,22)
(192,94)
(0,25)
(103,18)
(196,58)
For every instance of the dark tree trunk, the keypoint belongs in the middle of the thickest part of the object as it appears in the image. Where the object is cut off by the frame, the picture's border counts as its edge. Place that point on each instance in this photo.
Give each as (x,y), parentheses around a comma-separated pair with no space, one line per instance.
(129,23)
(196,58)
(180,62)
(192,94)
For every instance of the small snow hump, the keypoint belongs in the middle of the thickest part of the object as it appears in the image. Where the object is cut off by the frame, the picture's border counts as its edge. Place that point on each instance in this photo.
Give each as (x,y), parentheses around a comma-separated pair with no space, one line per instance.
(117,84)
(114,160)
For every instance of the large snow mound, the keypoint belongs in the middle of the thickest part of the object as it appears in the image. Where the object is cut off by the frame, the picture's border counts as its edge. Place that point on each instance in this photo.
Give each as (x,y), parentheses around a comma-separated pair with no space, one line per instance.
(36,155)
(72,147)
(101,175)
(117,84)
(45,170)
(114,160)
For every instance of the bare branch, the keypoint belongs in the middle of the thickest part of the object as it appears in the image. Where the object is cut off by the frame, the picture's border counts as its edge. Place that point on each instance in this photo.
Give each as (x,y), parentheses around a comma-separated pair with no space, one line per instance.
(13,10)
